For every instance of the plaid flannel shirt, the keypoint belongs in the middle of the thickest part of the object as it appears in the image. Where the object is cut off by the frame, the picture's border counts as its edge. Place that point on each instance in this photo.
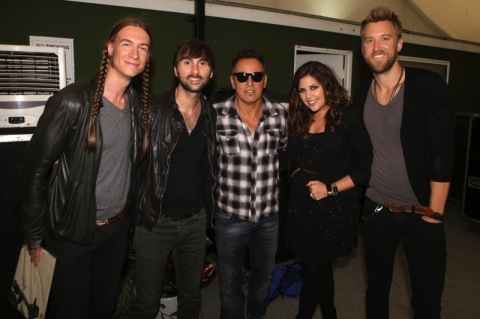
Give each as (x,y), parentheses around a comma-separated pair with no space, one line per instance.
(249,173)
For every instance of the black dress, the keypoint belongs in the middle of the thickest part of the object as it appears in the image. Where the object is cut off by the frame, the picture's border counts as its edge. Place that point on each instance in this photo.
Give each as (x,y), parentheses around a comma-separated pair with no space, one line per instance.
(321,231)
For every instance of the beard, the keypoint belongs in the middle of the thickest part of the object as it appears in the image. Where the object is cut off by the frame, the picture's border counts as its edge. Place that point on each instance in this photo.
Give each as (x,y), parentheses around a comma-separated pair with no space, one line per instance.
(190,88)
(382,67)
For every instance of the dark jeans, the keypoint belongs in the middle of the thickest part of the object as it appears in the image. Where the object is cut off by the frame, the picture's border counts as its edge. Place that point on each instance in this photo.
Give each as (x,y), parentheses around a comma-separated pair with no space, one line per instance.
(233,238)
(425,249)
(188,238)
(87,277)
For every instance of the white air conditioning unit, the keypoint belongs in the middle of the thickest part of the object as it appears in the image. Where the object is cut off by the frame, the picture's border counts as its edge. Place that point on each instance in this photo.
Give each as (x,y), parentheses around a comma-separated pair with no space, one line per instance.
(29,75)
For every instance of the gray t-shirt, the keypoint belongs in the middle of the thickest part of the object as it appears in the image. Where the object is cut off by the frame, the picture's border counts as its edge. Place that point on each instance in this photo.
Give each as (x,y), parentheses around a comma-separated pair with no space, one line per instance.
(113,180)
(389,183)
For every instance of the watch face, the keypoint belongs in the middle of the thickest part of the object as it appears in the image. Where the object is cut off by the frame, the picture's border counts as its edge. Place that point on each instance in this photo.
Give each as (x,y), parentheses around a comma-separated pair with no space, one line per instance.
(329,189)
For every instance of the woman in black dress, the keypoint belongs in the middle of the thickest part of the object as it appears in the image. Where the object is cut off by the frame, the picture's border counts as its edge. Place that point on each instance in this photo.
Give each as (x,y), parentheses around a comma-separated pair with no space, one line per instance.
(330,155)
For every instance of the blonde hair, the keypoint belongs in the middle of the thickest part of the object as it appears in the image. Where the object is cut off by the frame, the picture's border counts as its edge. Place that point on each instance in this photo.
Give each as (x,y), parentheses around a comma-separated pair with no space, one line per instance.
(382,14)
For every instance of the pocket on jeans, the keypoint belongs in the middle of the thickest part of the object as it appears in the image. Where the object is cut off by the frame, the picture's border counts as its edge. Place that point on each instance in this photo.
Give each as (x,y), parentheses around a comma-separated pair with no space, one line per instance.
(370,208)
(221,215)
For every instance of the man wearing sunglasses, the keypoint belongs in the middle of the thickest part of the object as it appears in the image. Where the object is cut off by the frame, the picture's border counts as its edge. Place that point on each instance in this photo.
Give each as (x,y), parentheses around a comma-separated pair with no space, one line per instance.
(250,131)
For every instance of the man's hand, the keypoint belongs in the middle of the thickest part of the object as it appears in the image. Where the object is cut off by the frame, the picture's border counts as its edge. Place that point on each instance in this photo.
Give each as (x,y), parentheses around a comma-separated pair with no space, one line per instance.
(35,255)
(431,220)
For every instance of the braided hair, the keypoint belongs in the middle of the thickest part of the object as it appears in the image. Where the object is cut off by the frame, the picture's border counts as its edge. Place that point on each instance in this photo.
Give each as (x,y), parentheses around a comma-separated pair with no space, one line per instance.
(91,138)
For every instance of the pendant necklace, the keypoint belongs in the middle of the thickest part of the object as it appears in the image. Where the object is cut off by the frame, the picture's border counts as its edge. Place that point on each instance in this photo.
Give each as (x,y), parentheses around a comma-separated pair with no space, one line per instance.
(244,120)
(392,96)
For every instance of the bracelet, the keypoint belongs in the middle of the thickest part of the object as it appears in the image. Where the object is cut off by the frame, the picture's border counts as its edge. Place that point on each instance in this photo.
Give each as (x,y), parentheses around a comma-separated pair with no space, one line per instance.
(335,189)
(329,190)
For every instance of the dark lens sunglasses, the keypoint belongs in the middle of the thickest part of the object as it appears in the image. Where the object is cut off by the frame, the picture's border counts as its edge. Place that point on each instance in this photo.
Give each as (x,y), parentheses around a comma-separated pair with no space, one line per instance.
(242,77)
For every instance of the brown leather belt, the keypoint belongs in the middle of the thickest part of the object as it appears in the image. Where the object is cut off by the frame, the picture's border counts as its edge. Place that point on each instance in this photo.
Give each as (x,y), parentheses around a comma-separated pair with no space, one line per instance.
(104,222)
(418,209)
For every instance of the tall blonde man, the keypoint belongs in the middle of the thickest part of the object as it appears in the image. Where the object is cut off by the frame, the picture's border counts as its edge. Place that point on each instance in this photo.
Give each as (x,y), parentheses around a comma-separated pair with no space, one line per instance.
(76,176)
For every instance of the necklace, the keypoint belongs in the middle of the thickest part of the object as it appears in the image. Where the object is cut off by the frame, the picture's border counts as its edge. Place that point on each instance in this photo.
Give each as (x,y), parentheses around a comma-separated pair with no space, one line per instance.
(395,88)
(250,122)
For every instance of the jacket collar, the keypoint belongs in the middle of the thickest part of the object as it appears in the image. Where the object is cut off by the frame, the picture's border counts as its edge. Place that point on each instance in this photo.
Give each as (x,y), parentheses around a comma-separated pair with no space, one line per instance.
(174,106)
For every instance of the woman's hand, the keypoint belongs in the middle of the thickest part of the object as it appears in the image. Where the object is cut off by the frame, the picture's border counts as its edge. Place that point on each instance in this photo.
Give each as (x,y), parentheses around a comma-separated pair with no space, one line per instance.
(317,189)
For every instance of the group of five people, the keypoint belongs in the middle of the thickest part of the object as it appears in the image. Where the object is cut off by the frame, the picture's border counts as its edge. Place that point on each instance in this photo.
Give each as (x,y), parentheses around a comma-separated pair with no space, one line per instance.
(103,154)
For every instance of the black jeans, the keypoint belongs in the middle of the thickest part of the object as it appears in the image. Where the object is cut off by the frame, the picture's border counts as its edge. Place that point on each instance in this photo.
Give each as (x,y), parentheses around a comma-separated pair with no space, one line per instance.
(87,277)
(188,239)
(425,249)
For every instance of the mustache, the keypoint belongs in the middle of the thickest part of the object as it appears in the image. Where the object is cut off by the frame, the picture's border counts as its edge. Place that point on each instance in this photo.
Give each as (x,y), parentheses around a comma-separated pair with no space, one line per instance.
(379,52)
(196,77)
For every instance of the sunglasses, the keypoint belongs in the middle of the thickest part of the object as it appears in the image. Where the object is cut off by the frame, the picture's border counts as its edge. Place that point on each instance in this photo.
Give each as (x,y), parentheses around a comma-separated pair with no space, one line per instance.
(243,76)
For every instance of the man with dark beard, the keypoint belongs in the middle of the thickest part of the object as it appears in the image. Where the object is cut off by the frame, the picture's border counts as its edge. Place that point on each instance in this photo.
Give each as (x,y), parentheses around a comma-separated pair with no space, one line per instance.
(409,117)
(175,185)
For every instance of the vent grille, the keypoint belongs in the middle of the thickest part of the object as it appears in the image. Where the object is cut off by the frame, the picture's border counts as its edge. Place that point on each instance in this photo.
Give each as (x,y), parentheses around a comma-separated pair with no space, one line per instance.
(23,72)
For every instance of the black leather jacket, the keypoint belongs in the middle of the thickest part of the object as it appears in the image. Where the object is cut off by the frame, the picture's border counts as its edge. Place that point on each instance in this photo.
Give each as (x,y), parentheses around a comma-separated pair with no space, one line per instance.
(61,197)
(164,130)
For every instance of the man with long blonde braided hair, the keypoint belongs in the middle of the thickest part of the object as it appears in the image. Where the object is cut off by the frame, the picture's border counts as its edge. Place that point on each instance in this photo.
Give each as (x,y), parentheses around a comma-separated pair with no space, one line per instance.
(77,172)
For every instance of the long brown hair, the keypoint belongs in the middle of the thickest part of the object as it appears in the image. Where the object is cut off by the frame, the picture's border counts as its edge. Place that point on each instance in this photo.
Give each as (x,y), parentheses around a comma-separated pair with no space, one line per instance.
(91,138)
(336,97)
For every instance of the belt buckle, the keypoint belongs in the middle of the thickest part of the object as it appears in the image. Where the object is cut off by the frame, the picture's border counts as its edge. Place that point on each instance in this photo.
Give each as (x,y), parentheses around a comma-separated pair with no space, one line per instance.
(102,222)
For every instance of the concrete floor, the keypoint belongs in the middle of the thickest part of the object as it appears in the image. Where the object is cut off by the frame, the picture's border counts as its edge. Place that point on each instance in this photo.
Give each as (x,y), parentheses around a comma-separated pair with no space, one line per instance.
(461,298)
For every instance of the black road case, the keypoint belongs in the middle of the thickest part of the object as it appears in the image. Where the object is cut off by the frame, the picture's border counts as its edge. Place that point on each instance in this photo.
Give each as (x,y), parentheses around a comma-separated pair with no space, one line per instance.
(469,125)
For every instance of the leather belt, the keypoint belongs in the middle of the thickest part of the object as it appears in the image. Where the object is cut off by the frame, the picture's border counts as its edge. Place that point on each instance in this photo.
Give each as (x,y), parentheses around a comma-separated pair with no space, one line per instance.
(104,222)
(179,218)
(414,209)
